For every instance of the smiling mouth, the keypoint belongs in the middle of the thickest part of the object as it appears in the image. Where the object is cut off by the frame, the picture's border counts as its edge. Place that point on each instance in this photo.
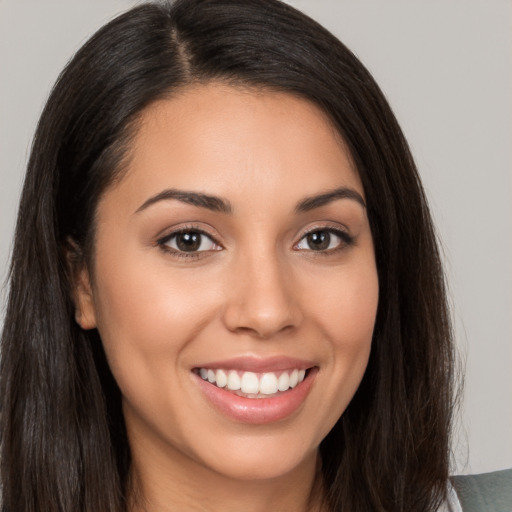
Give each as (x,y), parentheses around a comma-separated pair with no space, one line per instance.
(253,385)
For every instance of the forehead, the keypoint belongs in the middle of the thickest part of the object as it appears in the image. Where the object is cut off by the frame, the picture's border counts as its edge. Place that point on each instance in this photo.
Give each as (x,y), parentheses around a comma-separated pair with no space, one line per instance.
(226,140)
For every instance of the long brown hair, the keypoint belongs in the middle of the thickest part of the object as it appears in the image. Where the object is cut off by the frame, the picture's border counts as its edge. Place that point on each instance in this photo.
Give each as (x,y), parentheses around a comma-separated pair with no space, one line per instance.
(63,441)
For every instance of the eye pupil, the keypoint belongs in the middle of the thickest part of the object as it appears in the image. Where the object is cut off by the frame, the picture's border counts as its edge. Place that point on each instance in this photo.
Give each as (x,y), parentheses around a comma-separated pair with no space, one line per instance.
(189,241)
(319,240)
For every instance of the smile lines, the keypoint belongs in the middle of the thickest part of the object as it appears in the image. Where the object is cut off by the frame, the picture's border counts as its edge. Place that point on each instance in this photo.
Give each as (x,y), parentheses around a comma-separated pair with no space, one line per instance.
(253,385)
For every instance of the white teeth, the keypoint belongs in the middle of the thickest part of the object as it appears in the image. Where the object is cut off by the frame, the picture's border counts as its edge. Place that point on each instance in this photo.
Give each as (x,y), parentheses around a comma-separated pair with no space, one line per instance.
(294,378)
(283,383)
(221,378)
(268,384)
(250,384)
(233,381)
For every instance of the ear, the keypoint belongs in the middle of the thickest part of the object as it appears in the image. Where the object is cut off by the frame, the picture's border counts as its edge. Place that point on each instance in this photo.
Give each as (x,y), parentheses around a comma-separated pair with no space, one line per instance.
(80,284)
(85,314)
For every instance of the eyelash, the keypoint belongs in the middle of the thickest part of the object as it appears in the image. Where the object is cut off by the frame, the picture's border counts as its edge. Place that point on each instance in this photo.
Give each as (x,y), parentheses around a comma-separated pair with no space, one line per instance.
(162,243)
(346,240)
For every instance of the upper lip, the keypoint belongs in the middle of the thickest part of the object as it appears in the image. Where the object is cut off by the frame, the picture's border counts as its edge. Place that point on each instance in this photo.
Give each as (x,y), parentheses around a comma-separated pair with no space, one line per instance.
(259,364)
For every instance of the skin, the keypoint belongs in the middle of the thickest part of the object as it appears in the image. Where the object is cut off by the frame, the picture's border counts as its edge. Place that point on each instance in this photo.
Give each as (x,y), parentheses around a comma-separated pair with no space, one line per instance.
(258,290)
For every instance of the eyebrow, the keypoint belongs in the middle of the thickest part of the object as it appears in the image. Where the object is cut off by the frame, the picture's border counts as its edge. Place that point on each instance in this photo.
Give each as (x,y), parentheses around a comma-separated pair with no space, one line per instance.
(316,201)
(199,199)
(218,204)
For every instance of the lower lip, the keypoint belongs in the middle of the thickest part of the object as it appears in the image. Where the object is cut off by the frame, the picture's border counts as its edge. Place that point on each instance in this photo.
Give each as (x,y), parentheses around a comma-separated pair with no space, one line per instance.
(258,410)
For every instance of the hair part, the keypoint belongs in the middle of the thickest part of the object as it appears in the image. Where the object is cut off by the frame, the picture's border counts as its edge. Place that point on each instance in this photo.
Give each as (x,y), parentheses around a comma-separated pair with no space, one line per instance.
(63,440)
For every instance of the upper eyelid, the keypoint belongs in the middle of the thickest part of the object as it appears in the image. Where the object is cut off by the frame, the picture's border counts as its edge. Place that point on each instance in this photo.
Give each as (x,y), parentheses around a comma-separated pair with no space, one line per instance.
(338,228)
(341,233)
(168,234)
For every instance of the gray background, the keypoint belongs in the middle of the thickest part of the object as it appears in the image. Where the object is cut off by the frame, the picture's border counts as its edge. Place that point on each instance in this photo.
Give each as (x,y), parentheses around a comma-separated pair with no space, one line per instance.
(446,68)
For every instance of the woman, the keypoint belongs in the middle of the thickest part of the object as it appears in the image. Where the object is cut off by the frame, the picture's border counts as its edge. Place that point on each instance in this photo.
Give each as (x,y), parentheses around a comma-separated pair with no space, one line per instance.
(225,291)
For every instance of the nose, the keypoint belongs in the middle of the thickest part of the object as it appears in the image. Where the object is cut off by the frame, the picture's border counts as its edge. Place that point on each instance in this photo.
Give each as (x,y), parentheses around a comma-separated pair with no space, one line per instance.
(262,298)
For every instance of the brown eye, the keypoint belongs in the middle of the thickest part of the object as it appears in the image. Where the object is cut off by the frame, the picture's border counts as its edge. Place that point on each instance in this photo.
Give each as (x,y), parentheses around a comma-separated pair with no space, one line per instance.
(190,241)
(319,240)
(324,240)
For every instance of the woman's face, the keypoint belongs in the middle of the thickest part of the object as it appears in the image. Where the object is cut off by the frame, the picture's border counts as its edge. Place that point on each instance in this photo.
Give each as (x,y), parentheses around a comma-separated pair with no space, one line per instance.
(235,251)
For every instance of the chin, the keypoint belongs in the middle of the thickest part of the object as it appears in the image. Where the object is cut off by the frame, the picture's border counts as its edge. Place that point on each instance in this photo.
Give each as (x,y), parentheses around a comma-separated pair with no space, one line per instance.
(264,466)
(265,456)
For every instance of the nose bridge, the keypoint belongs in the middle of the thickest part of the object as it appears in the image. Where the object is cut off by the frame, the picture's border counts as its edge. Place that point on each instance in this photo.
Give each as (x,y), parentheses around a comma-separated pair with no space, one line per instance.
(261,298)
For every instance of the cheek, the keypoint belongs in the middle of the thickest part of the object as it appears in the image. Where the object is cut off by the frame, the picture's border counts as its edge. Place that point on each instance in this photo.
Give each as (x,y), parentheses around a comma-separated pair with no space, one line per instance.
(357,312)
(347,312)
(347,306)
(146,317)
